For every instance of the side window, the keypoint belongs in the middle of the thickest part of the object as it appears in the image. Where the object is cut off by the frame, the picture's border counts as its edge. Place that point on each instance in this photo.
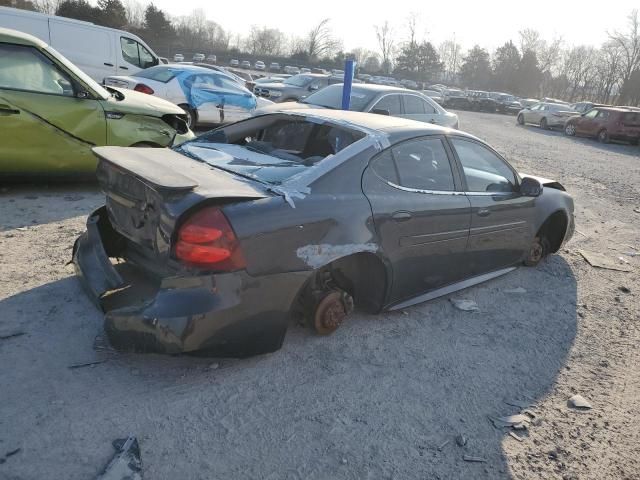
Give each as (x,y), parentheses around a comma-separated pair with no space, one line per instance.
(130,51)
(384,166)
(428,107)
(592,113)
(413,105)
(423,164)
(25,68)
(391,103)
(535,107)
(602,115)
(146,59)
(483,169)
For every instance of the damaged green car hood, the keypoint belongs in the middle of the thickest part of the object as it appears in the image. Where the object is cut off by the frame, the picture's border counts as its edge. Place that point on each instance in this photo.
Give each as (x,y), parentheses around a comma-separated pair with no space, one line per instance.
(139,103)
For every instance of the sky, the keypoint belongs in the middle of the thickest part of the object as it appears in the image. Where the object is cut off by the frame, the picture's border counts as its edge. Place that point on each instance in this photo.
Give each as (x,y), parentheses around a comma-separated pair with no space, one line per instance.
(488,23)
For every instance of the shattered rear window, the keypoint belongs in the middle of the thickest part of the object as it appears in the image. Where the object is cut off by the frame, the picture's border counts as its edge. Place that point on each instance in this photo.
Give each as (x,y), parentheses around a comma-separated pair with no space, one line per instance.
(272,153)
(159,74)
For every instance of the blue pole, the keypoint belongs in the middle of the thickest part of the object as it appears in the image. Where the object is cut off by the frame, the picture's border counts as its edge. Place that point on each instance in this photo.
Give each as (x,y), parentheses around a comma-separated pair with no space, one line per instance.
(349,67)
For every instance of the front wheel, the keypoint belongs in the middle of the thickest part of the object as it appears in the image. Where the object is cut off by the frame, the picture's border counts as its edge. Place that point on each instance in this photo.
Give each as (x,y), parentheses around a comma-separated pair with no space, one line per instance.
(543,124)
(603,136)
(570,129)
(539,249)
(520,119)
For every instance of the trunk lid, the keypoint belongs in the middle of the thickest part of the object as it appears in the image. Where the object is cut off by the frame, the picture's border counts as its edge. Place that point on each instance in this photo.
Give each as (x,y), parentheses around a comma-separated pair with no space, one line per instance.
(148,190)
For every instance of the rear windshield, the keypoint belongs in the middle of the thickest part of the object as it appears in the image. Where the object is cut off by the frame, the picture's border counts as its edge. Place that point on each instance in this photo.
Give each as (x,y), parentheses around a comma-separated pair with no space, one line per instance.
(331,97)
(274,152)
(159,74)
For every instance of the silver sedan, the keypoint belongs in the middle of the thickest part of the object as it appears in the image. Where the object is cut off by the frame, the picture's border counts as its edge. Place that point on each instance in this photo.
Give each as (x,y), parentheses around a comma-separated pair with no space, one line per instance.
(546,115)
(380,99)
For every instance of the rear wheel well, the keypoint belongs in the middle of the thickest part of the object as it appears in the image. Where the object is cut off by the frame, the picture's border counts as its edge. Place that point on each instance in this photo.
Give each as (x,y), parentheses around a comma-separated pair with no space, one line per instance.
(554,229)
(362,275)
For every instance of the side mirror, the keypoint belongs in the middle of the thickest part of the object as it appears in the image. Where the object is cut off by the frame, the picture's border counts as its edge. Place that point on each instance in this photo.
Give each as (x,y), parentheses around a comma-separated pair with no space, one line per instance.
(313,88)
(380,111)
(82,94)
(530,187)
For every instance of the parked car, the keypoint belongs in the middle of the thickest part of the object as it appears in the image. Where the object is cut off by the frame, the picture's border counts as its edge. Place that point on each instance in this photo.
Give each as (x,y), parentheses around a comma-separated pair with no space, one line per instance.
(211,59)
(481,101)
(506,103)
(178,57)
(305,70)
(198,57)
(208,230)
(409,84)
(434,95)
(528,102)
(293,88)
(97,51)
(291,70)
(554,100)
(274,67)
(234,63)
(52,113)
(269,80)
(546,115)
(381,99)
(207,97)
(607,123)
(584,107)
(454,98)
(245,64)
(259,65)
(230,73)
(365,77)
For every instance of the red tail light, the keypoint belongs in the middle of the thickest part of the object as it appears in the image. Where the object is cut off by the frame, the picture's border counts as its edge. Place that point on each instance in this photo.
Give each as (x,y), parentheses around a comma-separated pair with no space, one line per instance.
(141,87)
(206,240)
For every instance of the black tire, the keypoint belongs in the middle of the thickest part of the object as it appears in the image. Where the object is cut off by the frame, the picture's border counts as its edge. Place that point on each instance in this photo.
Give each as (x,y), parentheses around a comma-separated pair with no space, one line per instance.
(570,129)
(543,124)
(539,249)
(192,115)
(520,119)
(603,136)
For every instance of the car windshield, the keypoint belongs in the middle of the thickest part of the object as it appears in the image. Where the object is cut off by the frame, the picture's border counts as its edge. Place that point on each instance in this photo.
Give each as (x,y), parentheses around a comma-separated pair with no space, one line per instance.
(299,80)
(159,74)
(86,79)
(274,152)
(331,97)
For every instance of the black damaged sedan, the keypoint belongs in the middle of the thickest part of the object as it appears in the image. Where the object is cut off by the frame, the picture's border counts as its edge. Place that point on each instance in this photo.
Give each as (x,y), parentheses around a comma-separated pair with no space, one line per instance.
(213,246)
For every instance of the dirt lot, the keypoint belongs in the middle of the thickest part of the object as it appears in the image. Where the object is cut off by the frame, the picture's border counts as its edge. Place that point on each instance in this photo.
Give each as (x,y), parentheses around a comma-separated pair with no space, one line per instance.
(382,398)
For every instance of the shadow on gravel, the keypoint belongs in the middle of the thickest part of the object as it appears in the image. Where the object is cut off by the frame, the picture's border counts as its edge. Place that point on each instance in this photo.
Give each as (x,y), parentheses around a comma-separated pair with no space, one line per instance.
(384,397)
(21,204)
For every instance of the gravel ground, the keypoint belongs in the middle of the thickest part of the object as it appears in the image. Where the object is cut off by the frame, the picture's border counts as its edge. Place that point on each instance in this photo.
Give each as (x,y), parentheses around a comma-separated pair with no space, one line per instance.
(384,397)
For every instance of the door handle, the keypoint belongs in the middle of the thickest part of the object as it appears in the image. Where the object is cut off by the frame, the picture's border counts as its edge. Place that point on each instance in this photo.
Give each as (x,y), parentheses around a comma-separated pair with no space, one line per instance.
(401,216)
(432,121)
(7,110)
(484,212)
(124,68)
(108,64)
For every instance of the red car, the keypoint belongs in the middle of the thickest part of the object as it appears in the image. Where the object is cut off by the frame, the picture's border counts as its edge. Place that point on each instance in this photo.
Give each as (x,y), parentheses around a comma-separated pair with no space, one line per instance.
(607,123)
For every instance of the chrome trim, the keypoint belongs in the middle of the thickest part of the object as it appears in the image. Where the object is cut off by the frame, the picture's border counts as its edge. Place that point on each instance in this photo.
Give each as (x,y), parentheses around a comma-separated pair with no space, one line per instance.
(489,194)
(418,190)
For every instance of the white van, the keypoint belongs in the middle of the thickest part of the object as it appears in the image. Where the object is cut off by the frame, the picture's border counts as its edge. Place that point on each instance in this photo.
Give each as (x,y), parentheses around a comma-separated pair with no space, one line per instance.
(98,51)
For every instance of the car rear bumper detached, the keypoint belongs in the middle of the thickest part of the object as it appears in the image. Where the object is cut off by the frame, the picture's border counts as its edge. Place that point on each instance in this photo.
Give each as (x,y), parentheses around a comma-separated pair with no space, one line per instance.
(230,314)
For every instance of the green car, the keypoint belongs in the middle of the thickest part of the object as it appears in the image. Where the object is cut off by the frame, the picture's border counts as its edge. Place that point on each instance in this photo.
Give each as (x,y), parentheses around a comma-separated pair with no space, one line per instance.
(52,114)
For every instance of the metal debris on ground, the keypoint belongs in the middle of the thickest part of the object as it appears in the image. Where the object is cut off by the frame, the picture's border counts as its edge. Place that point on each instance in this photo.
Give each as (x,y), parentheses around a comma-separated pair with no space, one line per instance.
(88,364)
(464,305)
(470,458)
(579,402)
(516,290)
(5,336)
(517,422)
(444,445)
(519,403)
(600,261)
(516,436)
(126,464)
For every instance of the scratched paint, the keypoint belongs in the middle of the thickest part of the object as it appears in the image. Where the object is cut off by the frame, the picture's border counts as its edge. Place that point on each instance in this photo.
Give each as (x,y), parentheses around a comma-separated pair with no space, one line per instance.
(316,256)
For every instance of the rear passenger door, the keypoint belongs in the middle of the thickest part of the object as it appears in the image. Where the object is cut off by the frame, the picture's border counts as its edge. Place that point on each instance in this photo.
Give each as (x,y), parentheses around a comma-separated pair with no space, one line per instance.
(391,103)
(501,218)
(416,108)
(421,218)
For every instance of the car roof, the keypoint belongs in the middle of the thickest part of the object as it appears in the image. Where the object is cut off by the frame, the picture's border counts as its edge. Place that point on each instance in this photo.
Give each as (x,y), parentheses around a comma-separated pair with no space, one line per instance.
(188,67)
(14,36)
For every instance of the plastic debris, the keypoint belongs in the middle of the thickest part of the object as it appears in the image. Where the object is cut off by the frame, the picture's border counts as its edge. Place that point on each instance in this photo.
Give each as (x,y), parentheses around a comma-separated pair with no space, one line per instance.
(516,436)
(470,458)
(517,422)
(464,305)
(600,261)
(126,464)
(461,440)
(579,402)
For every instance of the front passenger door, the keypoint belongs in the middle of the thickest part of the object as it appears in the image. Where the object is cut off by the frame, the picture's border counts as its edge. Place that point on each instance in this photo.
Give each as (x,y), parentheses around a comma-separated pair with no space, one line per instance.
(422,221)
(416,108)
(501,219)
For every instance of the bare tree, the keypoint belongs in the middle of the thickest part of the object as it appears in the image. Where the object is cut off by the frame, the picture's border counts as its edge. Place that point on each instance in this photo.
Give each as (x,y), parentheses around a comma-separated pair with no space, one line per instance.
(265,41)
(450,53)
(629,43)
(135,13)
(386,42)
(608,71)
(412,27)
(47,6)
(320,41)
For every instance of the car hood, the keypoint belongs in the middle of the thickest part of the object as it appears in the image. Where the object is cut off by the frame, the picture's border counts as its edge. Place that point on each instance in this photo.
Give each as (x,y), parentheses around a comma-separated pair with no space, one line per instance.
(141,104)
(279,107)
